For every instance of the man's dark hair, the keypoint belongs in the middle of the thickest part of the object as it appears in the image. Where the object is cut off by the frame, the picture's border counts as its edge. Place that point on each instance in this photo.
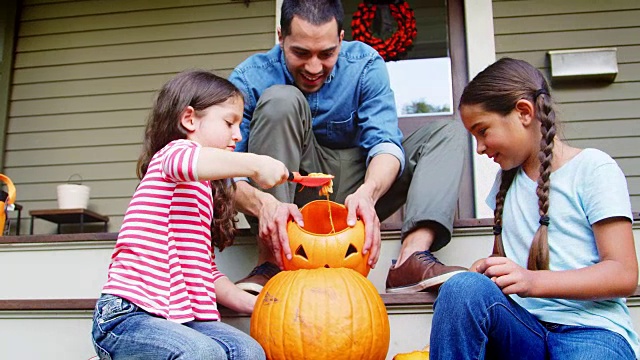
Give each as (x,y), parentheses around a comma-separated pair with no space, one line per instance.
(316,12)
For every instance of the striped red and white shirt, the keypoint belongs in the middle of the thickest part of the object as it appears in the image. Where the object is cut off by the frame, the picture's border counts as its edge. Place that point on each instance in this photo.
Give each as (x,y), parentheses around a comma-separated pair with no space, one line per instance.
(163,260)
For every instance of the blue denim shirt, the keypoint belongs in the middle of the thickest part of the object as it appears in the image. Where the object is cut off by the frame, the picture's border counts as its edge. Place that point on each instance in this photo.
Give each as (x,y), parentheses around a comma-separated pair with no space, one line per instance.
(354,108)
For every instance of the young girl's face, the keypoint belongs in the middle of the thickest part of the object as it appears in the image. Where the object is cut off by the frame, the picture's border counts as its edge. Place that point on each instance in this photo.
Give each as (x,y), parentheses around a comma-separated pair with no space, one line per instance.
(218,126)
(508,140)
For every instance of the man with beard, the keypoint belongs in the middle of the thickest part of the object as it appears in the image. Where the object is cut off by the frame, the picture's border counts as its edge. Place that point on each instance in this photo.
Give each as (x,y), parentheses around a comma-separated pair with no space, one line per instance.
(321,104)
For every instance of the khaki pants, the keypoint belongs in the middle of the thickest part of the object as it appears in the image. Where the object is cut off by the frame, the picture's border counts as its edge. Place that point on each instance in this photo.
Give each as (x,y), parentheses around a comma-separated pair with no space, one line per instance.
(429,184)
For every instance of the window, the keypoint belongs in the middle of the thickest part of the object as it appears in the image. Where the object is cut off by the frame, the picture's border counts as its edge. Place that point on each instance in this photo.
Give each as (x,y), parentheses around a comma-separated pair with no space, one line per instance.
(429,80)
(422,98)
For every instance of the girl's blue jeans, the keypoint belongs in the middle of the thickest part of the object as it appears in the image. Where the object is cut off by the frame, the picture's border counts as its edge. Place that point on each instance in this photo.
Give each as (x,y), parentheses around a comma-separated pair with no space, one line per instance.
(121,330)
(473,319)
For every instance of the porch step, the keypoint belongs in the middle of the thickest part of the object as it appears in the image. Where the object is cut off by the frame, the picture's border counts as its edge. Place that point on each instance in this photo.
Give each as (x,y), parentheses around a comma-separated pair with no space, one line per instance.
(75,265)
(51,283)
(56,279)
(62,327)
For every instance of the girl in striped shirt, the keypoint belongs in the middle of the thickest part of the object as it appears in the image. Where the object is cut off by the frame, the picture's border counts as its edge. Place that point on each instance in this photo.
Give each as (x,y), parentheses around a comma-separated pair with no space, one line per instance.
(160,299)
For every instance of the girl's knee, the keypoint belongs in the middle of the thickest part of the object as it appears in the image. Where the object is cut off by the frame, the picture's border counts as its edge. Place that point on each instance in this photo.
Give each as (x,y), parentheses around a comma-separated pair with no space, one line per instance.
(464,282)
(244,347)
(466,287)
(249,350)
(202,350)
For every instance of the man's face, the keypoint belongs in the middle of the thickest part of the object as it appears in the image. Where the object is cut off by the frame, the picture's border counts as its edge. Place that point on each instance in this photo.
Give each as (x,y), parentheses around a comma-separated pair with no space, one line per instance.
(311,52)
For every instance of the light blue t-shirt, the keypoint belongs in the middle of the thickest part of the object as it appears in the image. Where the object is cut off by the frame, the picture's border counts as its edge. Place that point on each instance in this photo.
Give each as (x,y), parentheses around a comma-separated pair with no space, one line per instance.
(589,188)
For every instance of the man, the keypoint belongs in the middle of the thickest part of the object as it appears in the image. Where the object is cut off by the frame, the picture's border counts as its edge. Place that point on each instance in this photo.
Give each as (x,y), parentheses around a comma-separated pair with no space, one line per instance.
(321,104)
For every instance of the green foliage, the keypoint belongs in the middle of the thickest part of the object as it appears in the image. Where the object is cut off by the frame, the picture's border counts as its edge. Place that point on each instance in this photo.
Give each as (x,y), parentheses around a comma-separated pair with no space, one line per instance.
(422,107)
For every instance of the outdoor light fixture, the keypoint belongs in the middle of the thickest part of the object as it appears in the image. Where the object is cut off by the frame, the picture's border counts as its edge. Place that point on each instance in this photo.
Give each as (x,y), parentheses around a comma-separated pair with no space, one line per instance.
(599,64)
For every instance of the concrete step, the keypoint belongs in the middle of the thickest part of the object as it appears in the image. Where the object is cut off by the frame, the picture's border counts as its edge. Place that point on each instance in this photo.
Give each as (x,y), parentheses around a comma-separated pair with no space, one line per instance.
(62,328)
(51,284)
(55,280)
(75,265)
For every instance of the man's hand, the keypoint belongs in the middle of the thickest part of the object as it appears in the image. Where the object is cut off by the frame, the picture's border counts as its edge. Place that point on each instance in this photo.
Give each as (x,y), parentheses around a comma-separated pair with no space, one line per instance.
(361,205)
(381,173)
(273,218)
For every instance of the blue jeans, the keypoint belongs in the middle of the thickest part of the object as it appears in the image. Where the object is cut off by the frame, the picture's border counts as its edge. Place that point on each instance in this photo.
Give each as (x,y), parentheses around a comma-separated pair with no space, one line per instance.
(473,319)
(121,330)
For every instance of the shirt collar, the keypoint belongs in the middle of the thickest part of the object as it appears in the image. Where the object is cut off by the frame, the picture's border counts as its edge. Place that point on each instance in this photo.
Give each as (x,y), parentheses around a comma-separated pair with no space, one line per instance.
(333,73)
(287,74)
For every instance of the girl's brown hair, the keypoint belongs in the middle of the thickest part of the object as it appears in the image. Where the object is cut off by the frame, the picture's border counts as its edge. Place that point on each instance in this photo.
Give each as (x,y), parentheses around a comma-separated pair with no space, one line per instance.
(199,89)
(497,89)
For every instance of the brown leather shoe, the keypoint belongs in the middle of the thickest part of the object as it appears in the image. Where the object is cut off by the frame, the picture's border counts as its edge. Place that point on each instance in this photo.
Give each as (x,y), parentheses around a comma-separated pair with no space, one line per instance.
(421,271)
(258,277)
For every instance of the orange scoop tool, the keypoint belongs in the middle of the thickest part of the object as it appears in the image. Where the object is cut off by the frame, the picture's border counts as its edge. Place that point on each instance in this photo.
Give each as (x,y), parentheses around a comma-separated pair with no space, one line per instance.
(311,181)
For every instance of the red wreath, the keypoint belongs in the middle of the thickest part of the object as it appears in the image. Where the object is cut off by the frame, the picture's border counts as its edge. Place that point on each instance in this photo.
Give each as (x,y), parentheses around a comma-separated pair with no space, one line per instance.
(397,44)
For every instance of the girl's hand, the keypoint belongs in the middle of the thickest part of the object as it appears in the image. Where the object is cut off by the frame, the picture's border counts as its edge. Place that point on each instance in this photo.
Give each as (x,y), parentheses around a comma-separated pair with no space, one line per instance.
(509,276)
(361,206)
(269,172)
(474,266)
(231,296)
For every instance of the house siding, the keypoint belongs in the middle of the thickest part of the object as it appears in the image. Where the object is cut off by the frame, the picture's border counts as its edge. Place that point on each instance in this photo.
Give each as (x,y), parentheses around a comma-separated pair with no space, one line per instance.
(603,116)
(8,11)
(84,78)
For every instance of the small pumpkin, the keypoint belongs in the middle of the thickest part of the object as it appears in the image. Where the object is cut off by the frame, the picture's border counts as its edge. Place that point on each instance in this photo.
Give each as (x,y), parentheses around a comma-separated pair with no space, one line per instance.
(317,246)
(5,203)
(414,355)
(321,314)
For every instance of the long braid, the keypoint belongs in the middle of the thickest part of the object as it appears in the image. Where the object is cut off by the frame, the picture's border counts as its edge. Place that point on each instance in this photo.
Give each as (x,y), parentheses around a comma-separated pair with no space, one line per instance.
(505,183)
(539,251)
(497,89)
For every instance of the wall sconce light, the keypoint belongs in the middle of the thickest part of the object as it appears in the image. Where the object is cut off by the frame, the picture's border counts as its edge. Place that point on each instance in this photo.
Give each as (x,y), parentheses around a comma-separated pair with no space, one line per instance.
(599,64)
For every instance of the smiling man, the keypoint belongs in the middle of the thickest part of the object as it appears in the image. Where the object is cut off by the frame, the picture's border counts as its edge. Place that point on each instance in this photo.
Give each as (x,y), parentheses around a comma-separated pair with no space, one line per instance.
(321,104)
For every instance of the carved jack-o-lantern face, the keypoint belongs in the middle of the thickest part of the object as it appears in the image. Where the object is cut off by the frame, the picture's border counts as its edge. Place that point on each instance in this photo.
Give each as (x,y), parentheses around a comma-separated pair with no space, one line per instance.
(316,246)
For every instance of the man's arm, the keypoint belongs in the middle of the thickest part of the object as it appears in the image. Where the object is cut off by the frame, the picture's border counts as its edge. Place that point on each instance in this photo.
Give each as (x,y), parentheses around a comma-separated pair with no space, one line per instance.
(377,116)
(382,171)
(272,215)
(249,200)
(381,139)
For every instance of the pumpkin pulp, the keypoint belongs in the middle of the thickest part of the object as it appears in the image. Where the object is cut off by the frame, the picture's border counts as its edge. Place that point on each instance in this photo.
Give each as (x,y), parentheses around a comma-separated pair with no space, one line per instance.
(326,190)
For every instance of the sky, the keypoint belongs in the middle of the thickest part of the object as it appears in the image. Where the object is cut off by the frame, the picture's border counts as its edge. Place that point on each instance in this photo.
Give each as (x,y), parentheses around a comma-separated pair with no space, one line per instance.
(421,79)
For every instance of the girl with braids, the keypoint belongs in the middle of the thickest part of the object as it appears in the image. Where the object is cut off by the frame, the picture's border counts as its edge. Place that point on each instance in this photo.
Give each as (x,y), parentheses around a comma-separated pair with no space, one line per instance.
(563,259)
(160,299)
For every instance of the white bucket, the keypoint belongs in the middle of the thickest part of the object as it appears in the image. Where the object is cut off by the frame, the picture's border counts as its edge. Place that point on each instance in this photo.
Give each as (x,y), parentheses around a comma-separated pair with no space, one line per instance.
(73,196)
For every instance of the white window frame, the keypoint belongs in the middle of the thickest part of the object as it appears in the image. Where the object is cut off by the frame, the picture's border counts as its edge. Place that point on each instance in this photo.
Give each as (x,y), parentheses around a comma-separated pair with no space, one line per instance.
(481,52)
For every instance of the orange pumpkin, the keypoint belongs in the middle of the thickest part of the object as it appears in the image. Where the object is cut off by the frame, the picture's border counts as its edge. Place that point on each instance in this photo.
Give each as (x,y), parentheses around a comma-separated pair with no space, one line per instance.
(316,246)
(321,314)
(415,355)
(4,204)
